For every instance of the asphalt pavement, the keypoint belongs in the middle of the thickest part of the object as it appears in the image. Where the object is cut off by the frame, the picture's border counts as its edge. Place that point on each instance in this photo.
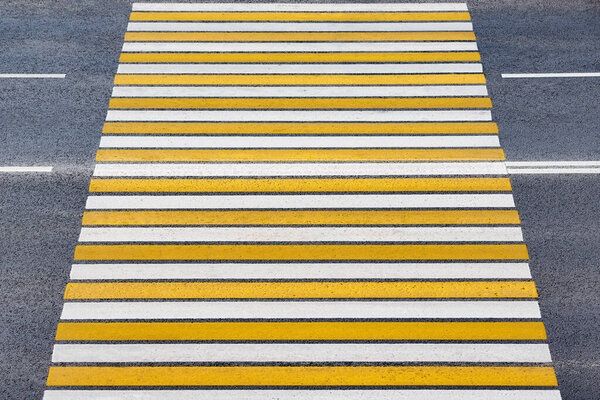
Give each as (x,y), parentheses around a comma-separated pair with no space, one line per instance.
(58,122)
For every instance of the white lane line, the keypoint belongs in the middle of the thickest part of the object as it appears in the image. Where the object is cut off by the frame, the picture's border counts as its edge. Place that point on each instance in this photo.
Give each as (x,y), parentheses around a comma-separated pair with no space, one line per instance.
(299,116)
(299,309)
(531,171)
(34,76)
(541,164)
(301,352)
(353,394)
(318,201)
(299,68)
(303,271)
(554,75)
(301,91)
(301,169)
(25,169)
(300,26)
(243,142)
(302,234)
(336,47)
(291,7)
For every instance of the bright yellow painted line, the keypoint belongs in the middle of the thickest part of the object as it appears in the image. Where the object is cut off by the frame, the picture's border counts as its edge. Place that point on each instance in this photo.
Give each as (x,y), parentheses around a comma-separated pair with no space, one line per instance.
(299,290)
(296,36)
(301,155)
(302,376)
(298,57)
(300,80)
(301,331)
(301,185)
(299,16)
(300,103)
(302,217)
(303,252)
(279,128)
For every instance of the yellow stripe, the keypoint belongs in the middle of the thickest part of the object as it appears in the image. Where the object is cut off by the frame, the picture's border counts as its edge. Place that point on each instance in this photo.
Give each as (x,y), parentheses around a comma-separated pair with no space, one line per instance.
(299,16)
(280,128)
(299,290)
(302,252)
(301,331)
(301,155)
(302,376)
(301,217)
(301,185)
(300,80)
(298,57)
(301,103)
(296,36)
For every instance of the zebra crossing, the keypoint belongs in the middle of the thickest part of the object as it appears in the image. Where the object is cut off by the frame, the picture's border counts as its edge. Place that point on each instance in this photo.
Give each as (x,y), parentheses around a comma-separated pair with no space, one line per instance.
(300,201)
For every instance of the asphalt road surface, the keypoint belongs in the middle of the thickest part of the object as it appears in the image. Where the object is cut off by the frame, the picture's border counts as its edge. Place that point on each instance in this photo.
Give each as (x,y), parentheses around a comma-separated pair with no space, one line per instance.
(58,122)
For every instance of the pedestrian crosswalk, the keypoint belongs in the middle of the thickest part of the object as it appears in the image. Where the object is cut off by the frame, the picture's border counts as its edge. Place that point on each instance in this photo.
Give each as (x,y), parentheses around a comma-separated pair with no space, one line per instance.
(300,202)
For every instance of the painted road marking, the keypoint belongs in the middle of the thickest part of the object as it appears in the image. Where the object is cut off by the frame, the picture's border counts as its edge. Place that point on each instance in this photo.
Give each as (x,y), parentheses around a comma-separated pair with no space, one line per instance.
(475,68)
(26,169)
(300,91)
(299,27)
(353,394)
(293,352)
(302,271)
(554,75)
(34,76)
(296,185)
(220,310)
(281,201)
(553,167)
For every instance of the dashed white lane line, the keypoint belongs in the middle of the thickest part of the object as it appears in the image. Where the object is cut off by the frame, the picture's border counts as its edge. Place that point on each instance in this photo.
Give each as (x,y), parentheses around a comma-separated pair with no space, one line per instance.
(302,271)
(299,309)
(35,76)
(300,26)
(554,75)
(352,394)
(26,169)
(302,352)
(553,167)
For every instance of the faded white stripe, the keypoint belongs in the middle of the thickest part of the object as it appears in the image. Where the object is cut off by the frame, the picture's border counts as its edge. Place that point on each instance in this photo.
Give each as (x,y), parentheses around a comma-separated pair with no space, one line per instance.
(291,7)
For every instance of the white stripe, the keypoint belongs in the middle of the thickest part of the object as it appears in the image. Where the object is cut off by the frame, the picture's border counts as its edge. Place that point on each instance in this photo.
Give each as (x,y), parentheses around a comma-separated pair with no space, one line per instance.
(251,201)
(303,271)
(291,7)
(299,116)
(301,352)
(301,169)
(243,142)
(302,234)
(59,76)
(299,26)
(554,170)
(299,309)
(296,47)
(25,169)
(553,163)
(272,69)
(353,394)
(554,75)
(300,91)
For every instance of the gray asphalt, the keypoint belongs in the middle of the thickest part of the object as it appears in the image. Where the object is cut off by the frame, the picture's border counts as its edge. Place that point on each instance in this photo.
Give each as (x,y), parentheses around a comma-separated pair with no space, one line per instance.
(58,122)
